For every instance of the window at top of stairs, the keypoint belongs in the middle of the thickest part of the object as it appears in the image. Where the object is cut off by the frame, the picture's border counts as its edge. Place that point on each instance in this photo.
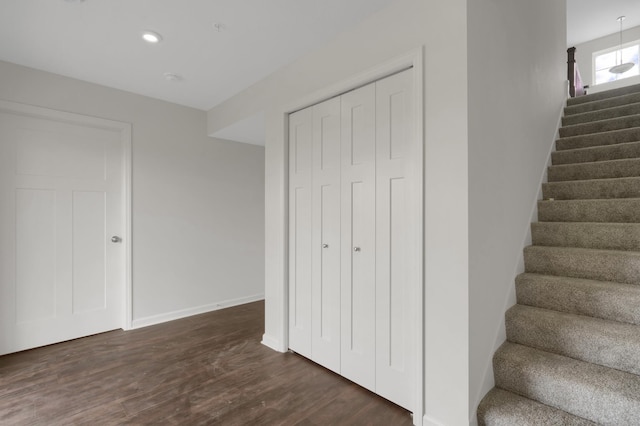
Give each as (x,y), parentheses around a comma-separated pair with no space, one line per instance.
(605,59)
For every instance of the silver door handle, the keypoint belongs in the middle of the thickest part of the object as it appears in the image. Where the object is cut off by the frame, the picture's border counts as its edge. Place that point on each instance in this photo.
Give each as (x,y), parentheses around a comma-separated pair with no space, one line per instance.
(356,249)
(115,239)
(325,246)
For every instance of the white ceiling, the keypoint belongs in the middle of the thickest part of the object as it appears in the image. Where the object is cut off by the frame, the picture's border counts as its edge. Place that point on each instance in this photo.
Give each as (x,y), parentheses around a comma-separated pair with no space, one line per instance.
(99,41)
(591,19)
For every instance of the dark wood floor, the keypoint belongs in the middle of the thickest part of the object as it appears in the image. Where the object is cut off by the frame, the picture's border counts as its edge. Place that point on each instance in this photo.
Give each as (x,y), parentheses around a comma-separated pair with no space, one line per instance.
(206,369)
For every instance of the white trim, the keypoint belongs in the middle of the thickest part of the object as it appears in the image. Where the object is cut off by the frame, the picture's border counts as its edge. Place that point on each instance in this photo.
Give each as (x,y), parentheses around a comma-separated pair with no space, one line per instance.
(273,343)
(125,132)
(183,313)
(412,59)
(128,233)
(419,236)
(428,421)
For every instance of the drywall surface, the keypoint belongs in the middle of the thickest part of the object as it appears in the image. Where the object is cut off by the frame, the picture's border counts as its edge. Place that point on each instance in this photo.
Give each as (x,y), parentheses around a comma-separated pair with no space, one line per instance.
(584,55)
(198,202)
(439,28)
(517,88)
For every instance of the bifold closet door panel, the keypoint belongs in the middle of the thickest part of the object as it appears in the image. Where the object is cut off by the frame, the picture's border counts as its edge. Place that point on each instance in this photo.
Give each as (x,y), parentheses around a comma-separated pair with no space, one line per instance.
(358,236)
(300,231)
(395,306)
(325,309)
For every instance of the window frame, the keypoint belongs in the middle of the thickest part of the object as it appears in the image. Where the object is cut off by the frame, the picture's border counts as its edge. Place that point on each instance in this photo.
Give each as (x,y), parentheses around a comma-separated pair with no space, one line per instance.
(616,48)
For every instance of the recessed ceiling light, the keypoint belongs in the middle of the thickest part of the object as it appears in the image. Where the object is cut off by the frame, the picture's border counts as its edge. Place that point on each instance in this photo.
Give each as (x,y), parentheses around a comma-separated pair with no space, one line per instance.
(172,76)
(151,37)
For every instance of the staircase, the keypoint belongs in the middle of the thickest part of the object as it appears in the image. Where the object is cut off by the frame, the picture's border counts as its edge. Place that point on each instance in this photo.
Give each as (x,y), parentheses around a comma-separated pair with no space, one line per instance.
(572,355)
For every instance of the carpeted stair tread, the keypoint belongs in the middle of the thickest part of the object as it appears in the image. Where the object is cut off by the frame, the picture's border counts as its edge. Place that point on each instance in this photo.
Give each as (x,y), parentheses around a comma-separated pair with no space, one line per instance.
(597,153)
(605,265)
(599,139)
(591,97)
(602,104)
(600,394)
(628,187)
(608,169)
(600,299)
(601,126)
(614,210)
(594,235)
(601,114)
(608,343)
(503,408)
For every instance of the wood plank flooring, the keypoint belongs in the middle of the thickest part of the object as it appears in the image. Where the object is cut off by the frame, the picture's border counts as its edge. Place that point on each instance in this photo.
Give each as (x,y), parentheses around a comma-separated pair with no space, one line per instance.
(205,369)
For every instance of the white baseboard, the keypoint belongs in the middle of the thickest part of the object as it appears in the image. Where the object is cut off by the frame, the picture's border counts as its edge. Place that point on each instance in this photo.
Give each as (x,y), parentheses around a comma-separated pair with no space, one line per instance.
(170,316)
(272,343)
(428,421)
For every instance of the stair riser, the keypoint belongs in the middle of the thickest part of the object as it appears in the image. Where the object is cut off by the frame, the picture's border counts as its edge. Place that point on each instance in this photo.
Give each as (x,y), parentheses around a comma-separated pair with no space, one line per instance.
(599,299)
(604,153)
(618,266)
(607,397)
(604,95)
(603,104)
(607,343)
(600,126)
(603,236)
(606,114)
(612,211)
(592,189)
(598,170)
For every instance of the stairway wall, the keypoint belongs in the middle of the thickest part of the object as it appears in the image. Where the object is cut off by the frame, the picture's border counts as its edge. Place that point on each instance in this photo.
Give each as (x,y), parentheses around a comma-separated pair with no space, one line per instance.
(516,93)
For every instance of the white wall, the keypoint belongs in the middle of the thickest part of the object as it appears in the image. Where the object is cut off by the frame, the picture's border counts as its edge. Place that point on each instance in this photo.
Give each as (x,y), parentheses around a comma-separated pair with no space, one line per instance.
(439,28)
(198,202)
(584,54)
(517,73)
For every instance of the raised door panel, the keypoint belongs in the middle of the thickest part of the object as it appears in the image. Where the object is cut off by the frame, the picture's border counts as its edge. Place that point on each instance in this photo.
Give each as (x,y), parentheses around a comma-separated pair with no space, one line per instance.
(395,301)
(326,234)
(300,231)
(358,236)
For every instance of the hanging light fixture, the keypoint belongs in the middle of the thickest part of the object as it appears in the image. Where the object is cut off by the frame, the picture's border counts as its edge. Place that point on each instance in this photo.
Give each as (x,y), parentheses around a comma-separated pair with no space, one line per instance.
(621,68)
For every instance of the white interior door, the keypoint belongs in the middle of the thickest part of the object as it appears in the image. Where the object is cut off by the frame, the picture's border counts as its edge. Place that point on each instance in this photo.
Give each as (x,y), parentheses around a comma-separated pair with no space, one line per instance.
(61,201)
(358,236)
(395,256)
(300,231)
(326,234)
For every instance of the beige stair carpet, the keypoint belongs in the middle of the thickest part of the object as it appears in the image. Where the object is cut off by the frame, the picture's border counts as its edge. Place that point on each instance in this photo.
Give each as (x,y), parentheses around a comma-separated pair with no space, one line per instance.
(572,355)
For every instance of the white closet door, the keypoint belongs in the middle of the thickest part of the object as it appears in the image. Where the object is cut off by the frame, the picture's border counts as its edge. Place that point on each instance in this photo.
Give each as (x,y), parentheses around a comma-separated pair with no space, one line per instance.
(395,312)
(358,236)
(326,235)
(300,238)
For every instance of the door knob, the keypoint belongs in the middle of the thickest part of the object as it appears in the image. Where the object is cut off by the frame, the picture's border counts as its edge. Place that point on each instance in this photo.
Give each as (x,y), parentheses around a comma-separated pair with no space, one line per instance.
(356,249)
(115,239)
(325,246)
